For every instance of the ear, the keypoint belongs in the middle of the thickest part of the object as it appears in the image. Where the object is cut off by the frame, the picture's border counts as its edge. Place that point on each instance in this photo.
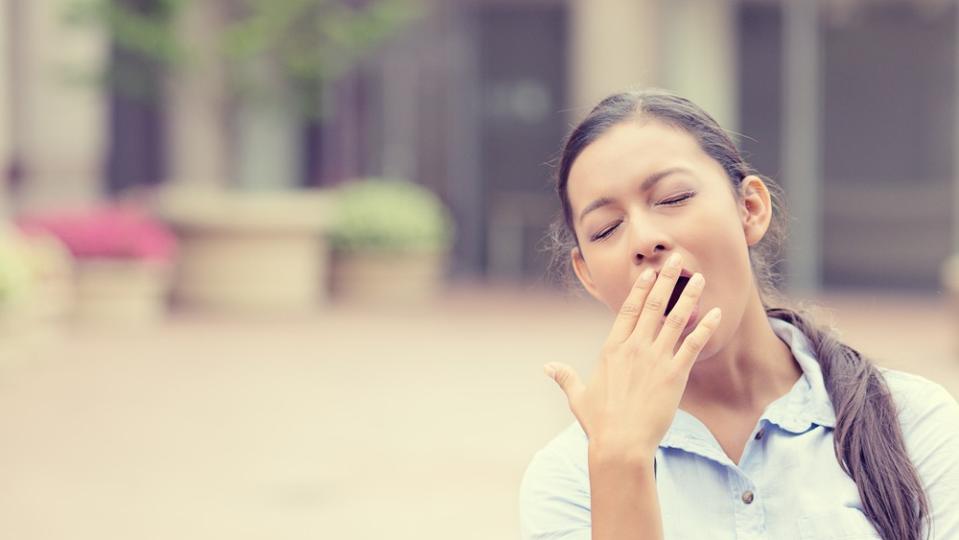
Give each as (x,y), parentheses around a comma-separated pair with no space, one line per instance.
(582,272)
(755,208)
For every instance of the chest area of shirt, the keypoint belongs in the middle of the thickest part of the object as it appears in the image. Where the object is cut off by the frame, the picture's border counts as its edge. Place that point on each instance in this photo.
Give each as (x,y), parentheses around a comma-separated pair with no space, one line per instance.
(790,487)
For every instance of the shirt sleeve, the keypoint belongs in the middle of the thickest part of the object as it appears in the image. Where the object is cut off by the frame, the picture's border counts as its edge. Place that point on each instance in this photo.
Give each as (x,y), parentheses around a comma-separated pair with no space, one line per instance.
(554,499)
(931,431)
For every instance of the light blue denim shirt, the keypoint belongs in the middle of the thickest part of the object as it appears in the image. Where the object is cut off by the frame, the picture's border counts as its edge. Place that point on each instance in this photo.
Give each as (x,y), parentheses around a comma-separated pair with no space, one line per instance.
(788,484)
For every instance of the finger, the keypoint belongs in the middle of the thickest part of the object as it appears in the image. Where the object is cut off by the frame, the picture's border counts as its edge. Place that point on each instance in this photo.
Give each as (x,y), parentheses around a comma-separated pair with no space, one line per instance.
(697,339)
(652,313)
(676,321)
(568,381)
(629,312)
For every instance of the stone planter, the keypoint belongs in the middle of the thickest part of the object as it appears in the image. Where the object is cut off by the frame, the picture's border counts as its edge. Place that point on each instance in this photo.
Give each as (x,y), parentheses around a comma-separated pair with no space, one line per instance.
(30,321)
(388,277)
(52,300)
(15,322)
(120,291)
(22,336)
(250,252)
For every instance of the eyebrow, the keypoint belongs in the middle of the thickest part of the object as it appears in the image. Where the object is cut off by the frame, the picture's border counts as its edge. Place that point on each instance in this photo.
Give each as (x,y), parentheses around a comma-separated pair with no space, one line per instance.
(648,183)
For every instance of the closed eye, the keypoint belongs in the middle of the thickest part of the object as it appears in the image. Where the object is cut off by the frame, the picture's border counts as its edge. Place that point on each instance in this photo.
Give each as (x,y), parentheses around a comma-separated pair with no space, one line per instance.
(678,199)
(605,232)
(669,202)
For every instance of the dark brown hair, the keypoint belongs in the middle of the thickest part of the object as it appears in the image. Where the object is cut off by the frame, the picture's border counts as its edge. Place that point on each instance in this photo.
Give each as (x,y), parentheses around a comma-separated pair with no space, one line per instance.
(868,440)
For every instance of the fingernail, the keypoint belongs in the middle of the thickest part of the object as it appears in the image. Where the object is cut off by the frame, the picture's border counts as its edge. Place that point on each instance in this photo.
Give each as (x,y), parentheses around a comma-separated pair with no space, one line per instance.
(647,275)
(549,370)
(673,260)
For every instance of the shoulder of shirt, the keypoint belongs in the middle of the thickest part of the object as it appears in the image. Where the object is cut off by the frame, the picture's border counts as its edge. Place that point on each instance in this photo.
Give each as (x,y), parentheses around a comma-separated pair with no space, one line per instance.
(554,497)
(915,396)
(568,449)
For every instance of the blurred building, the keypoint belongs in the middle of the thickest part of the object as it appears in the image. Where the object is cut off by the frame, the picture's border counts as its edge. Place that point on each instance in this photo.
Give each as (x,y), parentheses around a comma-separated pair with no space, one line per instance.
(849,104)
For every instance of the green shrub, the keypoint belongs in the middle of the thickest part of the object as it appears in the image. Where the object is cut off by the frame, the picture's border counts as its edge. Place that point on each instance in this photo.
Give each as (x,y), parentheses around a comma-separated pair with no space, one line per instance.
(16,278)
(389,215)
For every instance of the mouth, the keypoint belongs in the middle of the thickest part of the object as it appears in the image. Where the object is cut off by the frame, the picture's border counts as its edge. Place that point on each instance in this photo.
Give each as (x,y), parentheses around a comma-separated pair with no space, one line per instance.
(677,290)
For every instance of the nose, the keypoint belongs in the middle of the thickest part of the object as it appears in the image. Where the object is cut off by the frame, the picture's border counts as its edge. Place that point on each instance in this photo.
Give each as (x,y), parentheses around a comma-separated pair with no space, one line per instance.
(648,243)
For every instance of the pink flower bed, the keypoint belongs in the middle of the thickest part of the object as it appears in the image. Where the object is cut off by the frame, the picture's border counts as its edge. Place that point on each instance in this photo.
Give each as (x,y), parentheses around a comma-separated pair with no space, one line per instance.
(122,232)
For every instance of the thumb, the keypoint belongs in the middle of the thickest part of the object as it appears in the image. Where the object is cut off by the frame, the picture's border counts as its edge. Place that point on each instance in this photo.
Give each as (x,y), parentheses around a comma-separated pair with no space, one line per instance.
(567,379)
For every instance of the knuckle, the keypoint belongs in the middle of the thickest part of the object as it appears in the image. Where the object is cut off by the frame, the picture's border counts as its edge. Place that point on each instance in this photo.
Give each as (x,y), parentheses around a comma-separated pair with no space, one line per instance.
(630,308)
(673,374)
(706,329)
(695,341)
(640,285)
(670,272)
(675,320)
(655,304)
(632,349)
(709,326)
(693,290)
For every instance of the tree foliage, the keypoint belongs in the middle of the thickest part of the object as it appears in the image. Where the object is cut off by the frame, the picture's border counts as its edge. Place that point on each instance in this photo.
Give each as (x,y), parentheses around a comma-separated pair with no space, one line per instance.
(307,43)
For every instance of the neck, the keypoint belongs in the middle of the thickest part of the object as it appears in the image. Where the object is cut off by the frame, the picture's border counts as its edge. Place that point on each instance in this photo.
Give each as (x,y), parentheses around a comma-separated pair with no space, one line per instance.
(753,369)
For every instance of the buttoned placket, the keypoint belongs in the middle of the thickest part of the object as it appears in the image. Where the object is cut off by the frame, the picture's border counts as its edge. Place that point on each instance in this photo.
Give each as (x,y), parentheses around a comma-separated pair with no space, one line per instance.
(747,499)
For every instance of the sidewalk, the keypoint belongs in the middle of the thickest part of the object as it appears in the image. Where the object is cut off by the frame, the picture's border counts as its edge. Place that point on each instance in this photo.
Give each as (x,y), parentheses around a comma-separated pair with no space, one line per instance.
(399,424)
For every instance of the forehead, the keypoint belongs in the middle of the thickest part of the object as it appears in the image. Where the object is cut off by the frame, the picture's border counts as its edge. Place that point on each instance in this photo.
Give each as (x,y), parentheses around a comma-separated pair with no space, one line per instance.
(630,151)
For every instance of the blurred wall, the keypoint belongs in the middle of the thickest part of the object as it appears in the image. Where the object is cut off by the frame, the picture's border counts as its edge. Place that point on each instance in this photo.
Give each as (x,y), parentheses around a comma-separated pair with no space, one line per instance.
(888,143)
(474,100)
(6,147)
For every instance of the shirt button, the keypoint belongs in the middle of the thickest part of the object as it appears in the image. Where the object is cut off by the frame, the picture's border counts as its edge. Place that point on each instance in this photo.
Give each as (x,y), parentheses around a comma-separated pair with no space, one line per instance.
(748,497)
(759,434)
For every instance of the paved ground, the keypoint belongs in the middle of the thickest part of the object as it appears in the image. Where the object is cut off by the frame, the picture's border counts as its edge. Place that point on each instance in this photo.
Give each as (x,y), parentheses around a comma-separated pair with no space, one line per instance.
(357,423)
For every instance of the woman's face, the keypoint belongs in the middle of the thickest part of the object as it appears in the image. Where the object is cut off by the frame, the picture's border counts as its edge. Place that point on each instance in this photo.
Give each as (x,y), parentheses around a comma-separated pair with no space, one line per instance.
(663,195)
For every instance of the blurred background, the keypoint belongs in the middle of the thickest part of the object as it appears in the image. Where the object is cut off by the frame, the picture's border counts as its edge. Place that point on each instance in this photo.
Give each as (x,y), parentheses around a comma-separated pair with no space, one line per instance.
(280,269)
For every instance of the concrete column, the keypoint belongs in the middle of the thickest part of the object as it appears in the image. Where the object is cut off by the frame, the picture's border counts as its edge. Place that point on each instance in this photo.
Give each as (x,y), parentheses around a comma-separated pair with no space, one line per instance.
(6,145)
(267,139)
(700,55)
(197,128)
(465,184)
(615,46)
(801,152)
(60,124)
(955,166)
(399,111)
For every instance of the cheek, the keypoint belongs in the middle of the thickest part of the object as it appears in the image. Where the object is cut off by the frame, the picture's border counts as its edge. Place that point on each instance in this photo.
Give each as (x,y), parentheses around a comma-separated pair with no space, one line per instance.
(614,289)
(721,241)
(722,254)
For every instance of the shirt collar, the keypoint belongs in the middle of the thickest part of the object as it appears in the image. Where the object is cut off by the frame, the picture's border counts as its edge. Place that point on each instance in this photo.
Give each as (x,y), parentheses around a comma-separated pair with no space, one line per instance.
(808,402)
(805,405)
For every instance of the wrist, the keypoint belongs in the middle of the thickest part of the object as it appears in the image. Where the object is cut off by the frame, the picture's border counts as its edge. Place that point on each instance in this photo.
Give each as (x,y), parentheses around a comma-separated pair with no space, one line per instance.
(608,456)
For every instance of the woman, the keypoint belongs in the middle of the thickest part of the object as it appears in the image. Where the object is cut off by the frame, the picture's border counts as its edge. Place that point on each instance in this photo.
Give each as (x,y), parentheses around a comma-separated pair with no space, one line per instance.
(715,412)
